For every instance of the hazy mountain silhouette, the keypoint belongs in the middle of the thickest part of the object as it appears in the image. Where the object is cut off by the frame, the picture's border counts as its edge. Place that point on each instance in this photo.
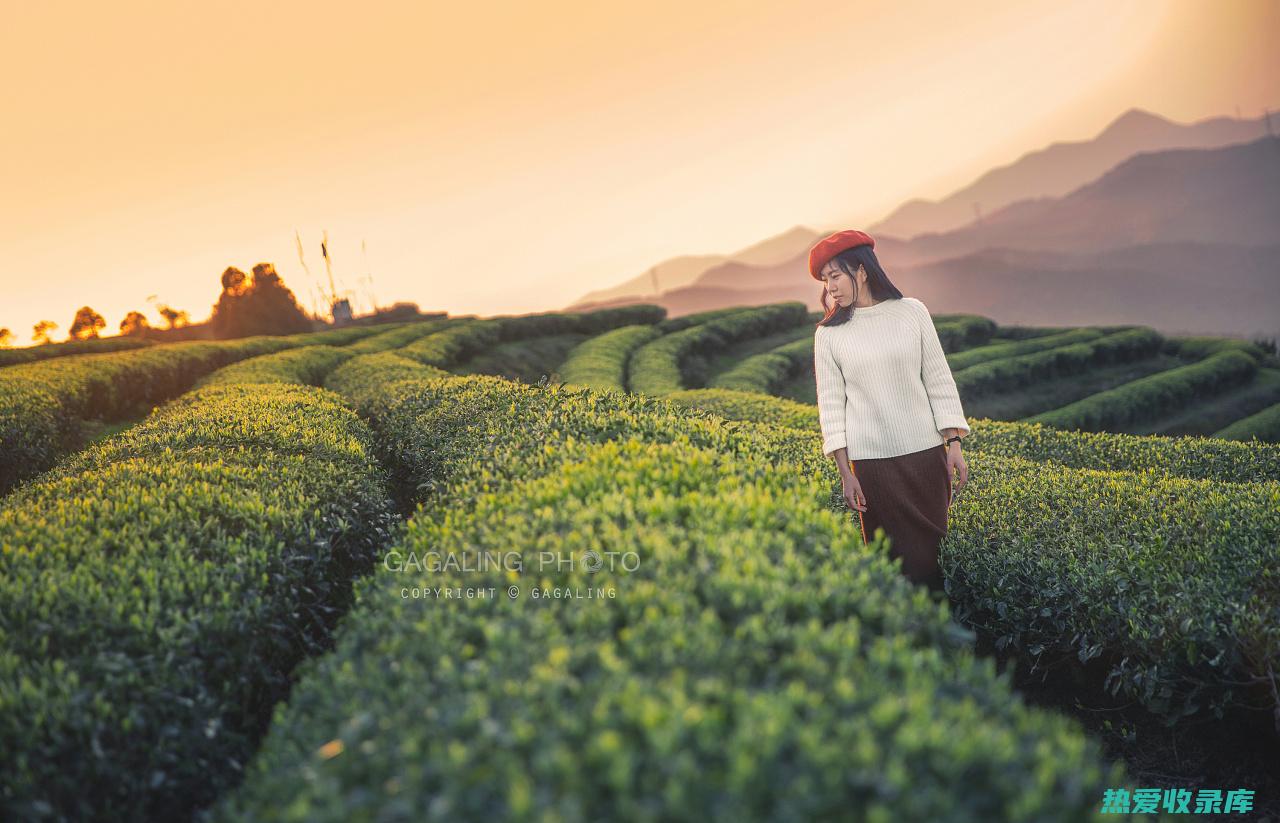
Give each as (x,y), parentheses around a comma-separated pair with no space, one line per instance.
(1183,240)
(1062,167)
(683,271)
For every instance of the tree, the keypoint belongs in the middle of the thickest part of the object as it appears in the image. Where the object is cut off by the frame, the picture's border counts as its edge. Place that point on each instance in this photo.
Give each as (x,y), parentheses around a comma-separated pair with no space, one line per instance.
(6,338)
(261,304)
(41,330)
(134,323)
(174,317)
(86,324)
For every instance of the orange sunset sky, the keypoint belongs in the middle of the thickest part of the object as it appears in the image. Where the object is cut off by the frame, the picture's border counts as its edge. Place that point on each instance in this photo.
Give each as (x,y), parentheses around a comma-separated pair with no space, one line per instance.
(509,157)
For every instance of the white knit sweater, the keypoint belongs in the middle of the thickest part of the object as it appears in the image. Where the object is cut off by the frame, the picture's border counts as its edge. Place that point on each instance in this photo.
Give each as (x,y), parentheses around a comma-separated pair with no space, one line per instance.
(884,386)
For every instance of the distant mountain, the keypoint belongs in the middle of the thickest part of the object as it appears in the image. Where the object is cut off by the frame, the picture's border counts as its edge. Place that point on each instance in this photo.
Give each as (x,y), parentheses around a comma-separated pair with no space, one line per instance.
(683,271)
(1176,288)
(1062,167)
(670,274)
(1224,195)
(1183,240)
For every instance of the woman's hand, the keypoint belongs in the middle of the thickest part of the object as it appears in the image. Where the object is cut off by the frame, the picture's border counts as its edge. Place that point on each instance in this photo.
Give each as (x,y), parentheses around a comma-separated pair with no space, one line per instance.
(853,492)
(956,465)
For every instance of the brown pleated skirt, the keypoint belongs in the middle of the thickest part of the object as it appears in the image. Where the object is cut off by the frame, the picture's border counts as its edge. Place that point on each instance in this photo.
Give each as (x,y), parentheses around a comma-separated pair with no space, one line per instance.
(909,497)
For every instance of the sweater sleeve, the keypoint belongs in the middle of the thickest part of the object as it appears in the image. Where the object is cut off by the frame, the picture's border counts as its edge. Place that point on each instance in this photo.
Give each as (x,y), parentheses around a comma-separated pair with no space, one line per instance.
(935,372)
(831,394)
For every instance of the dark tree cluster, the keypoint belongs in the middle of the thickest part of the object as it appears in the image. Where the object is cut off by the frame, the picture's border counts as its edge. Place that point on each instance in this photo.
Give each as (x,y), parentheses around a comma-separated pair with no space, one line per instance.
(257,304)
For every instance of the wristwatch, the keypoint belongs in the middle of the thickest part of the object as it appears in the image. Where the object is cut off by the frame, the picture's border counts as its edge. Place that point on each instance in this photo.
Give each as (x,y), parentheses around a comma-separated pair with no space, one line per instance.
(952,437)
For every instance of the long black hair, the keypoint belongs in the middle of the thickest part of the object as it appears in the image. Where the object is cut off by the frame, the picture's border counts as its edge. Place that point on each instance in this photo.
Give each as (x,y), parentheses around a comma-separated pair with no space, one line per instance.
(878,283)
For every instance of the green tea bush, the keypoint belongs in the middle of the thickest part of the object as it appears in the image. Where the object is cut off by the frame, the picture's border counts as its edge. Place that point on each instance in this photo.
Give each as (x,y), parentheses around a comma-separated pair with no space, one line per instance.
(1264,426)
(1152,395)
(42,404)
(306,366)
(97,345)
(343,335)
(960,331)
(760,663)
(1010,373)
(398,337)
(1198,348)
(1193,457)
(657,367)
(1174,583)
(447,348)
(749,406)
(1017,348)
(310,365)
(159,588)
(675,324)
(601,361)
(764,372)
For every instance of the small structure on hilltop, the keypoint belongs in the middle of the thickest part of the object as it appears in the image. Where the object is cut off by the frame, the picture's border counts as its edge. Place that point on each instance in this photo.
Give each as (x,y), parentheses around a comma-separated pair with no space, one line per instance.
(341,311)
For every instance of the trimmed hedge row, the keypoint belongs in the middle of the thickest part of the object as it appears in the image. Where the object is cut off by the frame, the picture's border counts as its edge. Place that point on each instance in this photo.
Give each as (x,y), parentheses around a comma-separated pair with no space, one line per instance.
(159,587)
(399,337)
(750,407)
(310,365)
(960,331)
(305,366)
(594,322)
(449,347)
(42,404)
(997,351)
(1192,457)
(764,372)
(601,362)
(1263,425)
(1098,567)
(1152,395)
(1198,348)
(1189,457)
(1013,372)
(99,345)
(1173,583)
(675,324)
(388,391)
(656,367)
(760,663)
(343,335)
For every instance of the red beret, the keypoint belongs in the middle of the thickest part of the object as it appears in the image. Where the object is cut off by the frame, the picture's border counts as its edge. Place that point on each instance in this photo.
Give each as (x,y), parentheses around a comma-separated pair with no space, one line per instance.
(828,247)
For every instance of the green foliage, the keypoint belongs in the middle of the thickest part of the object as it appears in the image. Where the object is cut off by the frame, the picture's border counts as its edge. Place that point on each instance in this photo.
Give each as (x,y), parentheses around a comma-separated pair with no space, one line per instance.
(97,345)
(962,331)
(764,372)
(310,365)
(1198,348)
(1190,457)
(760,664)
(1264,426)
(1016,348)
(1152,395)
(42,403)
(307,366)
(1174,583)
(601,361)
(675,324)
(159,587)
(595,322)
(451,346)
(749,406)
(657,366)
(1009,373)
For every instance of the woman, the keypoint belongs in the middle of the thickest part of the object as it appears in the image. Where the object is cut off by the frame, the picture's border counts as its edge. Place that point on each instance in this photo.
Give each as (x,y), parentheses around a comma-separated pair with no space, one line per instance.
(887,404)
